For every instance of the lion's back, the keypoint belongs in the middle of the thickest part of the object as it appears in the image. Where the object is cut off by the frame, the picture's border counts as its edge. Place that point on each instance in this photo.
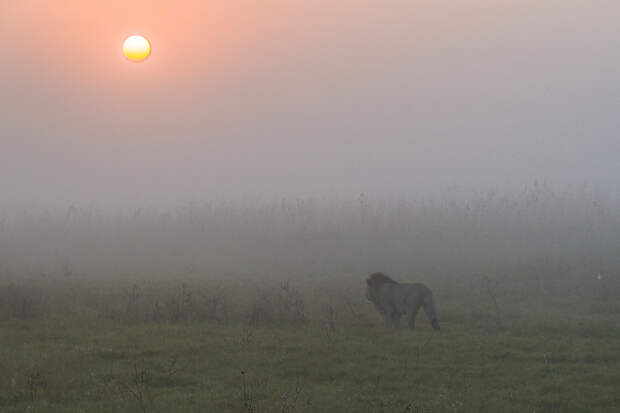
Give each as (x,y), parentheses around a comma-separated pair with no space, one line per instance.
(402,296)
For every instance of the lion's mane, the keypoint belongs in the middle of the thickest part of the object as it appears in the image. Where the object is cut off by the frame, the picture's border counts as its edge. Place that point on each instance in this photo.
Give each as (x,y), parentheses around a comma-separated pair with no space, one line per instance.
(373,284)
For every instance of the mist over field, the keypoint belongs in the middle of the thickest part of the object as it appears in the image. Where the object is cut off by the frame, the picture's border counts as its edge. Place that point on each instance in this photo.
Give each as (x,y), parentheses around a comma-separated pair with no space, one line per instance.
(451,235)
(194,232)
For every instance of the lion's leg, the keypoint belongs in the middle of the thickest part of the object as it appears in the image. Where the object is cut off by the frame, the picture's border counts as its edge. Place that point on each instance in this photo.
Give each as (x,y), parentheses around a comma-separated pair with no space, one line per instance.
(429,308)
(396,319)
(387,318)
(389,315)
(413,312)
(411,318)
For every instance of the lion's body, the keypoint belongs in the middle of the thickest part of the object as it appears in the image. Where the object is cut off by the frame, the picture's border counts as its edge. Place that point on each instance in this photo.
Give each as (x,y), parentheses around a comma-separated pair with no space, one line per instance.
(393,300)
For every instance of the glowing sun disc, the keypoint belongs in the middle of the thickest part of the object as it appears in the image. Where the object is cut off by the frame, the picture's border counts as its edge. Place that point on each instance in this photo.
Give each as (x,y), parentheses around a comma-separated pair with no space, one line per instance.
(136,48)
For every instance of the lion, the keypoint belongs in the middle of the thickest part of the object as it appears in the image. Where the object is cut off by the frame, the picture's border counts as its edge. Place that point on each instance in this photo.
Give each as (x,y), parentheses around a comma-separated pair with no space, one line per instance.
(394,299)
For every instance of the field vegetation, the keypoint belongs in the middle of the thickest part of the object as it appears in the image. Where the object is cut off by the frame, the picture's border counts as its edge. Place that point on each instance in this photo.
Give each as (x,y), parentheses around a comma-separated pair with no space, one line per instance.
(233,307)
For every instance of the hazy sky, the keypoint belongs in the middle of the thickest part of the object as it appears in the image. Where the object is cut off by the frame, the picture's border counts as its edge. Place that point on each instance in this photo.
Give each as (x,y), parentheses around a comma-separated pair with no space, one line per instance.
(285,98)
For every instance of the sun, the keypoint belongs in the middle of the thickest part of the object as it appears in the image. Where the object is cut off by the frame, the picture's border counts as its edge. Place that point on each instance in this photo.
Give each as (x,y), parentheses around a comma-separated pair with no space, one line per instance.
(136,48)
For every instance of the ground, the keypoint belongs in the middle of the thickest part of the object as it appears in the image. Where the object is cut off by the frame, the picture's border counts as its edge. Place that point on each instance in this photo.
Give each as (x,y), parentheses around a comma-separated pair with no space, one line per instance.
(493,357)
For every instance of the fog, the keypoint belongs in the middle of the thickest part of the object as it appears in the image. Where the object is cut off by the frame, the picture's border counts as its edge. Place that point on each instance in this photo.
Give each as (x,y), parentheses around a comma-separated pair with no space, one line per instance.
(565,236)
(197,231)
(296,99)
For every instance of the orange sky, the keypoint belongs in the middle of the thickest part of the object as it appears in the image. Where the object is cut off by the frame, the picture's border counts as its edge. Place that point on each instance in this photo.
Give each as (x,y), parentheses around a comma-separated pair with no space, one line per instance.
(279,95)
(78,44)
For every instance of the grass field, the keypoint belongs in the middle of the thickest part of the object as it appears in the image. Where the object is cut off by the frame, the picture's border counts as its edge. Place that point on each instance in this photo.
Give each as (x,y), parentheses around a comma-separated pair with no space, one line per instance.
(162,347)
(261,308)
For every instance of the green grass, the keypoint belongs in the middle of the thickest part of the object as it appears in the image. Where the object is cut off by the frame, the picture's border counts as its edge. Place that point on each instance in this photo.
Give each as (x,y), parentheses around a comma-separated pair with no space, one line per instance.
(84,363)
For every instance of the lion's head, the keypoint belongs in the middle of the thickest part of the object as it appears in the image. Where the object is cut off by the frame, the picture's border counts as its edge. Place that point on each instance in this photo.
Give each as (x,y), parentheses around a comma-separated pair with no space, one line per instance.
(374,283)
